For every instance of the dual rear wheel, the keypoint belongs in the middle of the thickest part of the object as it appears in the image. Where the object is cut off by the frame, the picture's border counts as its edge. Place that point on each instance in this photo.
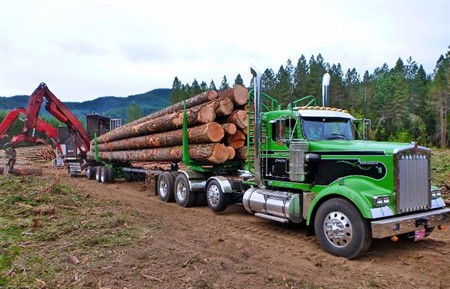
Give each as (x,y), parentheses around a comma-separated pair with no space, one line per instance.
(176,187)
(103,174)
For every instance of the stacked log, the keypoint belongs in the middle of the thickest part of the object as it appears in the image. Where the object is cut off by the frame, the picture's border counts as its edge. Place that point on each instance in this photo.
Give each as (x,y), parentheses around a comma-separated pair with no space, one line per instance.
(217,124)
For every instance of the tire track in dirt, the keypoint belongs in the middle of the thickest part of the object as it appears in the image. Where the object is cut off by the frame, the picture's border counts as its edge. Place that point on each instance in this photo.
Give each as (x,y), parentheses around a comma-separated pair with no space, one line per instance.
(234,241)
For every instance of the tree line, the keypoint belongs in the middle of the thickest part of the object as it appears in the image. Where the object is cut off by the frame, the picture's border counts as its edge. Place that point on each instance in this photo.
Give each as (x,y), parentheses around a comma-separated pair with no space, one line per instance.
(404,103)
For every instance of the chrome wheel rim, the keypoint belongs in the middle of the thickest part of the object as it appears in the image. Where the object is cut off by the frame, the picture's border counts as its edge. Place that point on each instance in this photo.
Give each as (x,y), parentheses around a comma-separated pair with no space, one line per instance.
(338,229)
(181,191)
(163,188)
(213,195)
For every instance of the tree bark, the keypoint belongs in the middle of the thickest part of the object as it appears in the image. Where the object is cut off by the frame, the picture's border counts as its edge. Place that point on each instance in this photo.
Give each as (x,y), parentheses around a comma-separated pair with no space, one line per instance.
(237,94)
(241,154)
(17,171)
(197,115)
(207,133)
(190,102)
(213,153)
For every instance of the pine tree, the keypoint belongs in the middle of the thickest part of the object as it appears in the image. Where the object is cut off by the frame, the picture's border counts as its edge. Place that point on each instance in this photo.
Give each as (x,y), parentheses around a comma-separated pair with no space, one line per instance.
(203,86)
(195,88)
(212,85)
(283,87)
(224,84)
(133,112)
(176,95)
(337,91)
(300,77)
(238,80)
(400,99)
(440,92)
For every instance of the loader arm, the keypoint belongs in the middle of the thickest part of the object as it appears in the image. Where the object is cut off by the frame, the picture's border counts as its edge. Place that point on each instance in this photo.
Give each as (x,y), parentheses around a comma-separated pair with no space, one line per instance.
(56,108)
(40,126)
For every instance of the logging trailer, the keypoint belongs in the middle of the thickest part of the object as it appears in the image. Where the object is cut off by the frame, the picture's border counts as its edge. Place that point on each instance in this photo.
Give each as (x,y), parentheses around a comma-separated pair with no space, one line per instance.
(306,164)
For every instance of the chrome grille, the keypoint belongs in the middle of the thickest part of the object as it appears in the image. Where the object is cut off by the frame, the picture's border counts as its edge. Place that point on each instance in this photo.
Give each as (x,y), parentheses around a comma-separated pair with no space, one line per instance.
(413,180)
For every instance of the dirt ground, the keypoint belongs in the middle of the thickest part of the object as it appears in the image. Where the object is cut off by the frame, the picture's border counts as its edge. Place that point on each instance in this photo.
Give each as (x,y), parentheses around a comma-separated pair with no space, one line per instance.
(196,248)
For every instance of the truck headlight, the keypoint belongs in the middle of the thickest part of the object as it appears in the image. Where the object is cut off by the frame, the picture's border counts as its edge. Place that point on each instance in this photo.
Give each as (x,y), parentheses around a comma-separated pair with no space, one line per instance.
(380,201)
(436,193)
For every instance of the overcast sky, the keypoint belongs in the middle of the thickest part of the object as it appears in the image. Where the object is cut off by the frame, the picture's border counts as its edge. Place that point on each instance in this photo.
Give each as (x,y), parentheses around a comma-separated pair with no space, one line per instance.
(87,49)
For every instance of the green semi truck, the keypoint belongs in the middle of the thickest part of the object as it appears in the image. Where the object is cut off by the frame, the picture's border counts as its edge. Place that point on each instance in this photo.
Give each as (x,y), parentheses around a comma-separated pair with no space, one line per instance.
(311,164)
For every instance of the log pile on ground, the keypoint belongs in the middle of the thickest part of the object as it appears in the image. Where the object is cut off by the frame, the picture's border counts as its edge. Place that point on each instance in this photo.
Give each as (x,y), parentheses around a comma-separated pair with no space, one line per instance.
(217,127)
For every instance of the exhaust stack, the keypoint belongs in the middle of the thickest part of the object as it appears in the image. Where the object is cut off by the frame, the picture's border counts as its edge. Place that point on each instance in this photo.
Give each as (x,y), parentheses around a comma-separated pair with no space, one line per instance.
(325,89)
(257,76)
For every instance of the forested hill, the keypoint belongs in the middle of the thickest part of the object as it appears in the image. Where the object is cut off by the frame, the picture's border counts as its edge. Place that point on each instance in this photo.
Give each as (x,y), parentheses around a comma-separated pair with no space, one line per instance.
(111,106)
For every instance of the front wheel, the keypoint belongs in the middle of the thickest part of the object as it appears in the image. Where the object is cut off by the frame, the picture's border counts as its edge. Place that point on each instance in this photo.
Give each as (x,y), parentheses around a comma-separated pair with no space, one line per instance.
(215,197)
(341,230)
(183,194)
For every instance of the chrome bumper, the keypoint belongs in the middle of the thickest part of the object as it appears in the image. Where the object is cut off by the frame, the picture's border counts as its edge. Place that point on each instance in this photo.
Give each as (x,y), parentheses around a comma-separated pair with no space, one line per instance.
(410,223)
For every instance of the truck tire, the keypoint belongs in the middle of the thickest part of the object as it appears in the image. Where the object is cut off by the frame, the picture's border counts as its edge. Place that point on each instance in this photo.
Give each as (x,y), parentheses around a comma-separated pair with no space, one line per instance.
(90,172)
(341,230)
(164,187)
(98,173)
(107,175)
(215,197)
(104,176)
(183,194)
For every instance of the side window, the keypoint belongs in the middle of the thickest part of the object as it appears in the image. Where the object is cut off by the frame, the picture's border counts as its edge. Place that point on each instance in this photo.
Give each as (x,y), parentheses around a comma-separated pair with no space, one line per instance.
(284,129)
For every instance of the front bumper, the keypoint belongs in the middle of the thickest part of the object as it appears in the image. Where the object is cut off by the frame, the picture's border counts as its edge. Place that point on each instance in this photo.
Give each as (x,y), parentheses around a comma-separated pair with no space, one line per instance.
(410,223)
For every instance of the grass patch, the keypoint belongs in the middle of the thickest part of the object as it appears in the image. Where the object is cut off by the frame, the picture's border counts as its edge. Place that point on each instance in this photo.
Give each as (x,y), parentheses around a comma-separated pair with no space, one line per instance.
(37,246)
(440,166)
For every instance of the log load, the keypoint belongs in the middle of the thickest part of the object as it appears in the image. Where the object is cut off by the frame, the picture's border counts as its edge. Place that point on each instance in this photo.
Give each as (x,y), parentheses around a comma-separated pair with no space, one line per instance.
(208,133)
(217,127)
(237,94)
(213,153)
(197,115)
(206,96)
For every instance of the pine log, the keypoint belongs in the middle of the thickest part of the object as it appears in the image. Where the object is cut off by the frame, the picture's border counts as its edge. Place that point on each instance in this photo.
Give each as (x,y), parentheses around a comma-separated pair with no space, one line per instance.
(190,102)
(231,153)
(222,107)
(206,133)
(213,153)
(239,118)
(241,154)
(18,171)
(236,140)
(229,128)
(238,94)
(197,115)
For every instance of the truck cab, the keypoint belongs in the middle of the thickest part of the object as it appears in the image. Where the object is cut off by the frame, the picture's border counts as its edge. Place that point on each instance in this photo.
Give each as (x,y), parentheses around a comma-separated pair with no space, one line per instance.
(312,164)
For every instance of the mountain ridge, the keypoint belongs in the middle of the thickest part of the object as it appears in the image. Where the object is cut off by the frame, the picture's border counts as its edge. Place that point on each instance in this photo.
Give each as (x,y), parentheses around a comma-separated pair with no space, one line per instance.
(110,106)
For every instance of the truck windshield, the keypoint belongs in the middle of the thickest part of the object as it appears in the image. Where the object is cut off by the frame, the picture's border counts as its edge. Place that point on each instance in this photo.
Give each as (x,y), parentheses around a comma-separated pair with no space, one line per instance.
(327,128)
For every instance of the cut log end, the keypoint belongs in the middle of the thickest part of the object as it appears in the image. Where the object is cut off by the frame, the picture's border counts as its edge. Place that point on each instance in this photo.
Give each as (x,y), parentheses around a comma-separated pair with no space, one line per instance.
(215,132)
(240,95)
(219,154)
(231,153)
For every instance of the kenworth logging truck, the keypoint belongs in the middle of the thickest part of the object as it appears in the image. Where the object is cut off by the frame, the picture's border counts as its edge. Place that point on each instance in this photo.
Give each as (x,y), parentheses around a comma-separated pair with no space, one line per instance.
(304,164)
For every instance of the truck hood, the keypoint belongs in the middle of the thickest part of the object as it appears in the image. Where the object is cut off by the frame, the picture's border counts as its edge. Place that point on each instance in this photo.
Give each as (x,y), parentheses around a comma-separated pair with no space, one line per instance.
(359,147)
